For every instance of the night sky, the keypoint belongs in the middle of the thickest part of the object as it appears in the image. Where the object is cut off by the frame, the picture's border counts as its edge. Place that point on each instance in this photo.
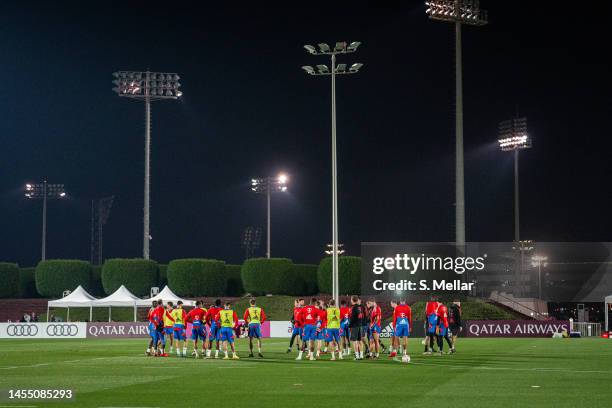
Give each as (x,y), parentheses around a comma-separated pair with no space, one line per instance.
(248,110)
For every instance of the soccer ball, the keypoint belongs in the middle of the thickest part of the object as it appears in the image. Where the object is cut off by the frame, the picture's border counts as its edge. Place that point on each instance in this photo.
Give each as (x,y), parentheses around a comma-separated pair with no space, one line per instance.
(406,358)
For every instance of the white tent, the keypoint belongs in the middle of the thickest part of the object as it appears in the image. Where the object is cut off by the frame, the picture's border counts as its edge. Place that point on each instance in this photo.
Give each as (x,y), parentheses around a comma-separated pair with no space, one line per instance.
(608,311)
(122,297)
(77,298)
(167,295)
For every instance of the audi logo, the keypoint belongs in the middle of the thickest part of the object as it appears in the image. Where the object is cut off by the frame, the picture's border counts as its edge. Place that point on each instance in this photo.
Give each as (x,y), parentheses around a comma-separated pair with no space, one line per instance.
(21,330)
(62,330)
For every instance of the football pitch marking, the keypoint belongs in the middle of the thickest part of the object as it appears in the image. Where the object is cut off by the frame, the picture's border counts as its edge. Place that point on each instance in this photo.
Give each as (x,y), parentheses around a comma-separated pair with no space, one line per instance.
(544,369)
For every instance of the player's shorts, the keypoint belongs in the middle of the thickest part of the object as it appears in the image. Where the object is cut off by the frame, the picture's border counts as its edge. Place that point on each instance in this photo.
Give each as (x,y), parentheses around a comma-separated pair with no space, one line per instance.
(344,329)
(375,329)
(431,324)
(215,332)
(168,330)
(152,330)
(226,334)
(255,330)
(332,335)
(454,329)
(198,332)
(442,331)
(309,332)
(365,332)
(402,330)
(297,331)
(320,334)
(179,332)
(356,333)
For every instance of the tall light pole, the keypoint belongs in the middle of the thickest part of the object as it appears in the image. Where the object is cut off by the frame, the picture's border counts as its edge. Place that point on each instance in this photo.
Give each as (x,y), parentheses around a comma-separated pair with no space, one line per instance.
(268,186)
(458,12)
(340,69)
(148,87)
(513,137)
(44,191)
(539,261)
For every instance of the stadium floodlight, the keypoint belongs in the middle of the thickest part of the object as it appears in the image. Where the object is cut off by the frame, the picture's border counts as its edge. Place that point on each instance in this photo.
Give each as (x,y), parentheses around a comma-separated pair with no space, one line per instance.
(44,191)
(330,251)
(268,186)
(513,136)
(147,86)
(458,12)
(340,69)
(539,261)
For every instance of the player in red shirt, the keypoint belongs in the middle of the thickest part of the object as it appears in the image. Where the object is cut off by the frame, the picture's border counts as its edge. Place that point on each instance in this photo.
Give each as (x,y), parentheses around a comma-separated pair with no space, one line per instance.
(442,314)
(295,321)
(214,331)
(308,321)
(374,328)
(156,325)
(345,315)
(431,319)
(196,317)
(402,318)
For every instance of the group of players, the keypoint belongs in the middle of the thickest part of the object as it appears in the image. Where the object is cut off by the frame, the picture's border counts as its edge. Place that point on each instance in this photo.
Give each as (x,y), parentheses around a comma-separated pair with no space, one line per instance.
(357,327)
(213,326)
(318,327)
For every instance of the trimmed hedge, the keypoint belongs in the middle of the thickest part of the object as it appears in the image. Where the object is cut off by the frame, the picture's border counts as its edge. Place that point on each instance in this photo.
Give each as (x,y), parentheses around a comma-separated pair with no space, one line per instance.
(349,274)
(9,280)
(163,275)
(138,275)
(27,282)
(197,277)
(234,280)
(262,276)
(55,276)
(307,279)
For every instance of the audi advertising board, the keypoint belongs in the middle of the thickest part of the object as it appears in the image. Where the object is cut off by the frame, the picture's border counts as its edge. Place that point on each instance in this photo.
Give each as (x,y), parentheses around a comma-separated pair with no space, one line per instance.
(43,330)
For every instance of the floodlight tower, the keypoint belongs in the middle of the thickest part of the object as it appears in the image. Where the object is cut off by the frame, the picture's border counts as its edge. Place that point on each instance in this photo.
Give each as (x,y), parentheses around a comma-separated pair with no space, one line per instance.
(148,87)
(267,186)
(44,191)
(340,69)
(513,137)
(458,12)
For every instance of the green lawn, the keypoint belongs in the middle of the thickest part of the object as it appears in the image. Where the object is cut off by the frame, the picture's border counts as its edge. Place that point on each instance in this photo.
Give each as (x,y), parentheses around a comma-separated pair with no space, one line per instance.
(485,372)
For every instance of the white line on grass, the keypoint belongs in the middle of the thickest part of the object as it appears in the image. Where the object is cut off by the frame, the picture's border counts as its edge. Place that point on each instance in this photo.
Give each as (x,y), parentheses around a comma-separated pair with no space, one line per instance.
(458,367)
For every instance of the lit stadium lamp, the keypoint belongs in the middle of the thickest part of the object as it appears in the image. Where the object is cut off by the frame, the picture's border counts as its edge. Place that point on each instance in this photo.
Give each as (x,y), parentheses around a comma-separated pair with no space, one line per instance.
(513,136)
(44,191)
(148,87)
(340,47)
(458,12)
(267,186)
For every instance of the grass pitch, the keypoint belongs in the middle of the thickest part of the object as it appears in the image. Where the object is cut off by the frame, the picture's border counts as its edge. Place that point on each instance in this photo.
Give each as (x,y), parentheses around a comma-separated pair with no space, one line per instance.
(484,372)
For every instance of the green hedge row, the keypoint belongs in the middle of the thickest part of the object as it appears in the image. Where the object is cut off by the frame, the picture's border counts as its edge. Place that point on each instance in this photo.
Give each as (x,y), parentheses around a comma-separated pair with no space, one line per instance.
(137,275)
(349,275)
(197,277)
(186,277)
(9,280)
(55,276)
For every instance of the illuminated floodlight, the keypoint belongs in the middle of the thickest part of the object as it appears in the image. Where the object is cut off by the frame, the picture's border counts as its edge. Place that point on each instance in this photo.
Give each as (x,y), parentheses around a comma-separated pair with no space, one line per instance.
(463,11)
(513,135)
(144,84)
(539,260)
(282,178)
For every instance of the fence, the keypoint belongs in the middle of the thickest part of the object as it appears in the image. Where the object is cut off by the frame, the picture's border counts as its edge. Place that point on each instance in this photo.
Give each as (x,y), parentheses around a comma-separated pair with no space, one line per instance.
(586,329)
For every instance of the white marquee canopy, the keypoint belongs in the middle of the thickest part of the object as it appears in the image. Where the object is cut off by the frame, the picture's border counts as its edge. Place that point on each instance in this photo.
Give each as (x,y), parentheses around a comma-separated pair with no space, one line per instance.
(77,298)
(166,295)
